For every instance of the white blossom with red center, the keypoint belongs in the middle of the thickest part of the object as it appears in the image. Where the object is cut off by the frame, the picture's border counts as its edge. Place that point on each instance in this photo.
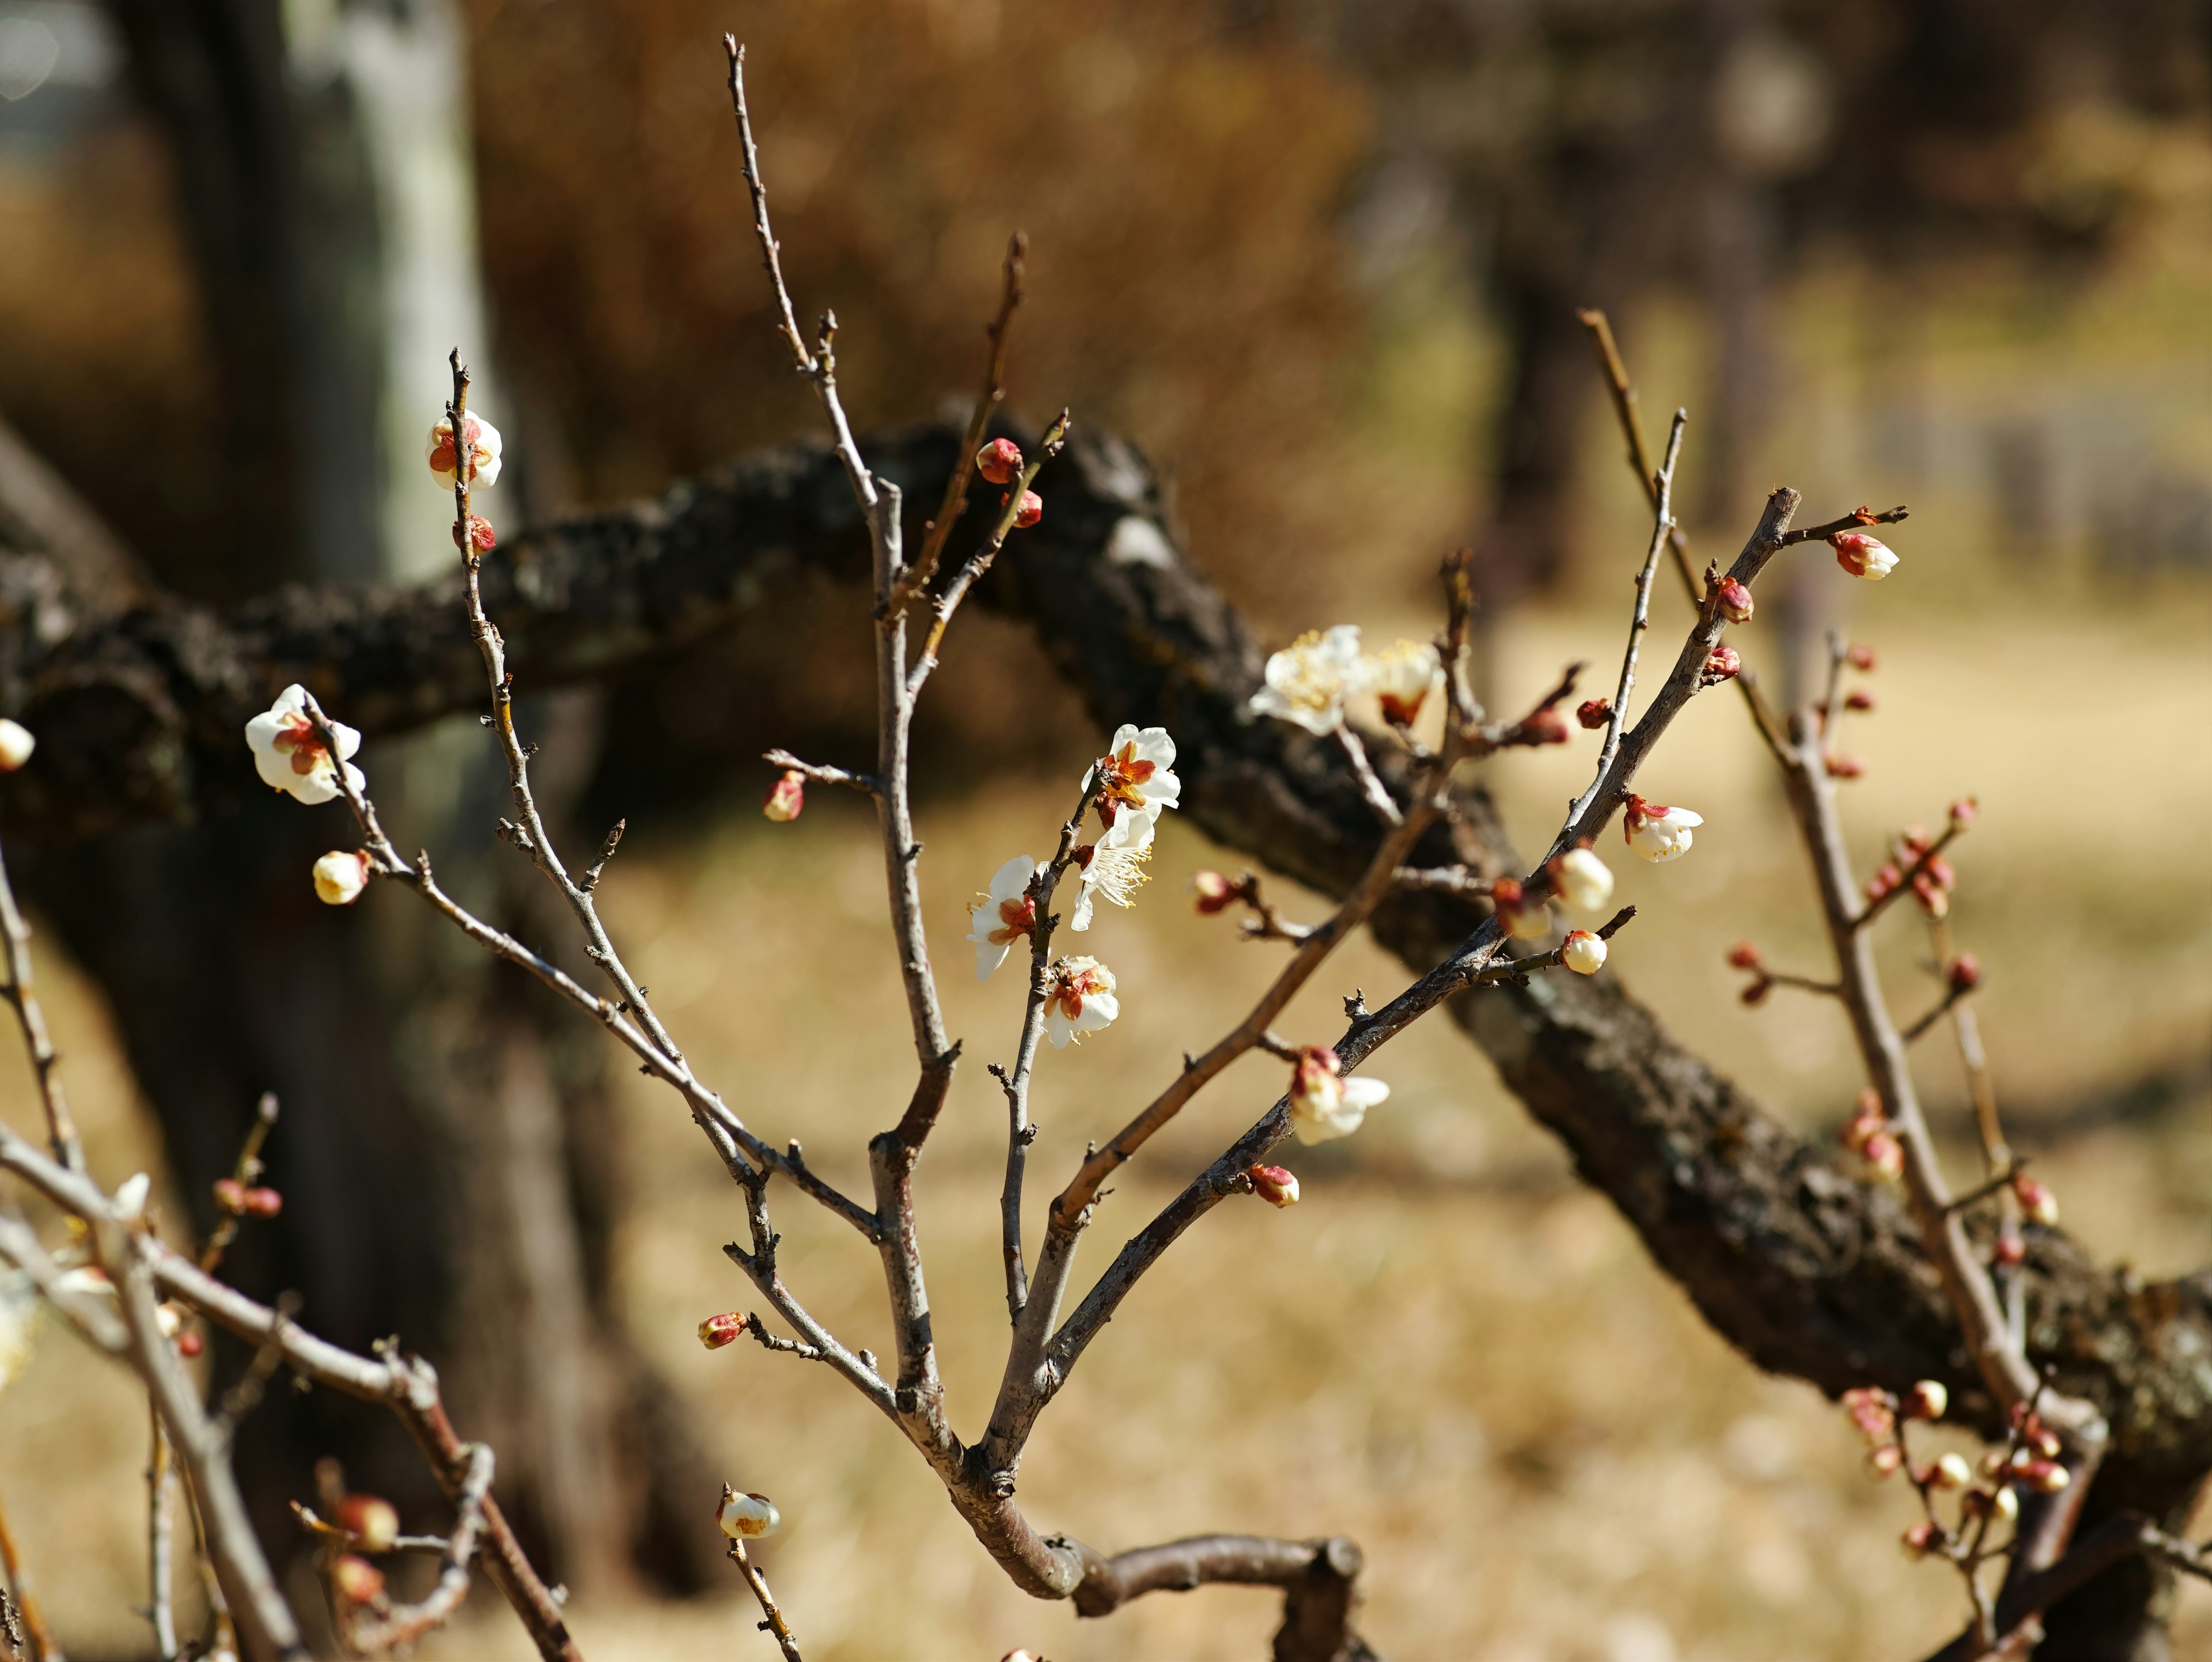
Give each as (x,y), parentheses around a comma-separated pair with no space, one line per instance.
(1078,999)
(1002,915)
(1863,556)
(1324,1104)
(1113,867)
(1402,677)
(1136,776)
(483,446)
(1309,680)
(1657,833)
(290,754)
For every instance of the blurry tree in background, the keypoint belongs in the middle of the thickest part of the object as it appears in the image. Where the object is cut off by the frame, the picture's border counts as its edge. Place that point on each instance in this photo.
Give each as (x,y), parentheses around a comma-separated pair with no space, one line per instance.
(1215,196)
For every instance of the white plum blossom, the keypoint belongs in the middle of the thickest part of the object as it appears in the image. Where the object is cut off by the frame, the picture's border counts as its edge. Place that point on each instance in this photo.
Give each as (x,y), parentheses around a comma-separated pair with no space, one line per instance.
(1113,869)
(1325,1105)
(1582,879)
(1003,916)
(1136,775)
(1309,680)
(483,443)
(290,756)
(747,1517)
(1402,676)
(1583,953)
(17,745)
(1078,1000)
(1656,832)
(341,875)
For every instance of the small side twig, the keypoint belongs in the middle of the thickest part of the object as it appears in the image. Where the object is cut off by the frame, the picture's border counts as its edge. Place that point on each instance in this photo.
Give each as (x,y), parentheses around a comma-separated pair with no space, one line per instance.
(773,1622)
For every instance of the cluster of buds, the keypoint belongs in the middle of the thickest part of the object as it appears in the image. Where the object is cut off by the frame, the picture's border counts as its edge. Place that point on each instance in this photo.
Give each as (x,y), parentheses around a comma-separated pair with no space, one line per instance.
(237,1200)
(1932,877)
(723,1329)
(1869,1135)
(1000,462)
(1747,958)
(787,798)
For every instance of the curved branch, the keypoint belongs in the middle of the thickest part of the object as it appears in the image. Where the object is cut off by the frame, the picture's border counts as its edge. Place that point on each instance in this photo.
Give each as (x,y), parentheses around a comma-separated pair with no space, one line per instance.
(1319,1579)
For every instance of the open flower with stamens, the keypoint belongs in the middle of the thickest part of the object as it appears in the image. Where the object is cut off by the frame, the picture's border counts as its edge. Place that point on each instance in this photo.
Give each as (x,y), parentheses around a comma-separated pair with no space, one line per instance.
(1655,831)
(483,443)
(1309,680)
(290,756)
(1137,774)
(1863,557)
(1078,1000)
(1003,914)
(1113,867)
(1403,676)
(1324,1104)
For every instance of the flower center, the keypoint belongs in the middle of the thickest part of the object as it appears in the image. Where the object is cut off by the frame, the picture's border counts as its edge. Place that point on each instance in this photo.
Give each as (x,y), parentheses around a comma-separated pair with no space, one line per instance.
(1120,775)
(1017,917)
(298,738)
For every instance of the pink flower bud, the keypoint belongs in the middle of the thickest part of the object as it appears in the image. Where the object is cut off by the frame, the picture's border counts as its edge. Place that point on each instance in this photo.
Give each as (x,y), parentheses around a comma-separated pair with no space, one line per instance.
(1274,1184)
(787,798)
(356,1580)
(263,1202)
(1966,973)
(1885,1459)
(1872,1410)
(1926,1401)
(230,1195)
(189,1345)
(1031,511)
(1211,893)
(481,536)
(1922,1539)
(1545,726)
(1505,893)
(1859,701)
(718,1330)
(1885,1154)
(2045,1477)
(1735,601)
(1745,956)
(1721,664)
(15,745)
(2010,1251)
(372,1521)
(1964,810)
(1863,556)
(1860,657)
(1934,898)
(1844,767)
(2037,1203)
(999,461)
(1594,713)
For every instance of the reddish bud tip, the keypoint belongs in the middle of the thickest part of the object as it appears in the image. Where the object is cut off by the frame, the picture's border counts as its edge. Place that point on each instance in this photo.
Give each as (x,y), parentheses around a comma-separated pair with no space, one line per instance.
(2037,1203)
(230,1195)
(261,1204)
(1721,664)
(1211,893)
(1274,1184)
(356,1580)
(1922,1538)
(1745,956)
(1844,767)
(1885,1459)
(481,536)
(1505,893)
(787,798)
(2011,1250)
(189,1345)
(1885,1154)
(1966,973)
(1594,713)
(1964,810)
(718,1330)
(1031,511)
(999,461)
(372,1520)
(1736,601)
(1861,700)
(1545,726)
(1860,657)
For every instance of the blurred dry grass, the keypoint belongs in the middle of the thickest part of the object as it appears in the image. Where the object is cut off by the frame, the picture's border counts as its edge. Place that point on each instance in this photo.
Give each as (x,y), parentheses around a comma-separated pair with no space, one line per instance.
(1447,1350)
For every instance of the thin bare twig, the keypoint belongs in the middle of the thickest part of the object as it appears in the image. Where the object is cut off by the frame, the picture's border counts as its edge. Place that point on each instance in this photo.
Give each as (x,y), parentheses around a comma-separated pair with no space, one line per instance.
(160,1535)
(43,1648)
(46,1061)
(773,1622)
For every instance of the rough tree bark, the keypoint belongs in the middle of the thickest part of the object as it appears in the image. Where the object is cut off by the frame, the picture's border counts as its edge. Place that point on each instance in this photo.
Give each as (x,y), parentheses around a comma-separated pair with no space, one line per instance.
(1805,1268)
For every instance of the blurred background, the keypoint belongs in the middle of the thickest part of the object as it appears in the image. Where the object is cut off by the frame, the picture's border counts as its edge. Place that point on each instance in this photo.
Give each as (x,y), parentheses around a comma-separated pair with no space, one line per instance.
(1321,262)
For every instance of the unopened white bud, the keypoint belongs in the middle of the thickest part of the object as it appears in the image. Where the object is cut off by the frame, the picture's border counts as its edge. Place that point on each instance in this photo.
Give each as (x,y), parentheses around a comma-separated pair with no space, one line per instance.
(1583,880)
(747,1517)
(1584,952)
(131,1195)
(341,875)
(1952,1471)
(17,745)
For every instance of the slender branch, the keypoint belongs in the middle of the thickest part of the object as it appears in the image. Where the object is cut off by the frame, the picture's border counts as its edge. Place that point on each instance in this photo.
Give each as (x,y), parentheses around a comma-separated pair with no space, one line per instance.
(772,1623)
(864,782)
(1640,618)
(61,1129)
(44,1647)
(160,1535)
(405,1623)
(1951,996)
(1639,459)
(954,501)
(1874,907)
